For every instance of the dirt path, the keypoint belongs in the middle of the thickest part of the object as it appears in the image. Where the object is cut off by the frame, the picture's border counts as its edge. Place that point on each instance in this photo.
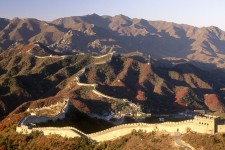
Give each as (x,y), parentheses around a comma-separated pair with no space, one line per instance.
(181,143)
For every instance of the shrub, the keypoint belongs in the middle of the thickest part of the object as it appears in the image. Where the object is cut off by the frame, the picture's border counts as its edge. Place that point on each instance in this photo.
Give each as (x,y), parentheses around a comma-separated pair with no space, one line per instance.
(188,130)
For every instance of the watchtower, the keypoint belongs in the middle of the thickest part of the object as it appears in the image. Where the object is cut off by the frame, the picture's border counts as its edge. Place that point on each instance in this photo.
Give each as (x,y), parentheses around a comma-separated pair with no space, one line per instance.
(206,123)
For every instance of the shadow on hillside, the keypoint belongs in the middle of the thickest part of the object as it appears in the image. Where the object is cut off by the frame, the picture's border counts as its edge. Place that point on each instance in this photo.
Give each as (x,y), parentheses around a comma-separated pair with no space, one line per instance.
(4,90)
(206,66)
(12,101)
(213,78)
(97,106)
(117,91)
(79,120)
(139,58)
(2,71)
(160,46)
(219,44)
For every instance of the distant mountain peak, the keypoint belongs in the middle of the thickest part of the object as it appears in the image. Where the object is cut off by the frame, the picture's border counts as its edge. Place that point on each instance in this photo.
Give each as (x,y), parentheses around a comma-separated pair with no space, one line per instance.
(94,15)
(122,16)
(102,34)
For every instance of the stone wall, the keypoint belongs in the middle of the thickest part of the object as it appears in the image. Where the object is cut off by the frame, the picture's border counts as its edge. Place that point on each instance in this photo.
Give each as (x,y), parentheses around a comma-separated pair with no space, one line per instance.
(82,71)
(169,127)
(104,55)
(221,128)
(103,95)
(121,130)
(203,124)
(69,132)
(38,119)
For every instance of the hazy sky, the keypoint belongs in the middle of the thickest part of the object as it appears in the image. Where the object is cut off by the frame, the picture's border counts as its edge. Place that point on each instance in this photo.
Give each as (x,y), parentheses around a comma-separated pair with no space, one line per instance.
(193,12)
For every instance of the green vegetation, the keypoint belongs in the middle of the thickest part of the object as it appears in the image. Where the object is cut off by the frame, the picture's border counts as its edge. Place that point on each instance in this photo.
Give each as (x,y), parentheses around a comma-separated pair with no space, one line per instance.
(83,92)
(193,100)
(103,71)
(118,64)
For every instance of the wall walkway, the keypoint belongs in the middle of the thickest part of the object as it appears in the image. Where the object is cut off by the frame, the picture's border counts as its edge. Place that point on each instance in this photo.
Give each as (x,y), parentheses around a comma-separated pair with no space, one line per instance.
(198,124)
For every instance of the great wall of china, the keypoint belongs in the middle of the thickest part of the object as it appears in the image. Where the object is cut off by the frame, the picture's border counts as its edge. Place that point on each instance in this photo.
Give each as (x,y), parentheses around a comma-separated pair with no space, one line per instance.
(82,71)
(201,124)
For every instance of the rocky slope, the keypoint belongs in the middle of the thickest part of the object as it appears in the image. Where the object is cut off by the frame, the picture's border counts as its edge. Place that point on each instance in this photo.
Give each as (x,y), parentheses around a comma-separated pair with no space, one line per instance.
(35,73)
(101,34)
(157,88)
(32,71)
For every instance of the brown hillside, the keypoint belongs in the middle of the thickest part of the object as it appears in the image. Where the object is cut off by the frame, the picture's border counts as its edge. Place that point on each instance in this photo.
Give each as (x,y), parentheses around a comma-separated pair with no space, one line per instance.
(102,34)
(45,78)
(213,102)
(127,78)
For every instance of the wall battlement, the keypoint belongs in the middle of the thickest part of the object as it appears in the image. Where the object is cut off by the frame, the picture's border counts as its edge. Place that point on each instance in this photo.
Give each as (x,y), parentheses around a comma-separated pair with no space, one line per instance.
(124,129)
(201,124)
(38,119)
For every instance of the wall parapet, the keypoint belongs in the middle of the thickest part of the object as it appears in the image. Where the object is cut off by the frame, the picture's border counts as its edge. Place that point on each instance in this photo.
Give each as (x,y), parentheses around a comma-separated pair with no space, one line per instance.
(25,127)
(123,129)
(37,119)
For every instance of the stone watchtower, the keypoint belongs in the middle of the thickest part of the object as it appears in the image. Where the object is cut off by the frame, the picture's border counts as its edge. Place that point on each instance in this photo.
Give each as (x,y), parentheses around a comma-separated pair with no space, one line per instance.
(206,123)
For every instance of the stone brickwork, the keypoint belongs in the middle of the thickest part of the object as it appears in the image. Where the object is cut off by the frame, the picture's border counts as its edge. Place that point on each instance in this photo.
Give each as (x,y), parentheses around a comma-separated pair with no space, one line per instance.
(200,124)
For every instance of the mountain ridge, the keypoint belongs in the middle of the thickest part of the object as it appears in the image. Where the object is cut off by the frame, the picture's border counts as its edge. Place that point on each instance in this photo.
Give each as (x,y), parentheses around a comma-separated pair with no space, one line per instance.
(160,64)
(32,72)
(102,34)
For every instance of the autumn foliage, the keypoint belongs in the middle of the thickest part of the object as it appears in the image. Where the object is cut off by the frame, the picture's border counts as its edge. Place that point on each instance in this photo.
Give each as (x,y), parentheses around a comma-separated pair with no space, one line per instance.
(213,102)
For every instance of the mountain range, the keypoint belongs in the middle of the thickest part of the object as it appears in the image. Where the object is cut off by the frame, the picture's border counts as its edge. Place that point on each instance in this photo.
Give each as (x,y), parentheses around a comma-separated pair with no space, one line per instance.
(161,66)
(101,34)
